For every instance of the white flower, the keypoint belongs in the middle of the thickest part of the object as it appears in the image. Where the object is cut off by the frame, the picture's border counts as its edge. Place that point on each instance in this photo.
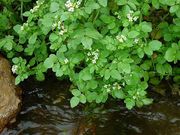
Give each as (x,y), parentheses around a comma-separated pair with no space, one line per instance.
(121,38)
(14,68)
(72,5)
(108,90)
(22,28)
(66,60)
(24,25)
(88,54)
(119,17)
(36,7)
(131,12)
(62,32)
(93,61)
(71,9)
(56,17)
(118,87)
(135,18)
(54,25)
(130,16)
(105,86)
(79,2)
(136,40)
(93,56)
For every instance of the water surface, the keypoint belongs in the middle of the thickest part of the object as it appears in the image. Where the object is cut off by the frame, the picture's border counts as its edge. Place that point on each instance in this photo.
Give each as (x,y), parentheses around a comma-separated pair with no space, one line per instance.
(46,111)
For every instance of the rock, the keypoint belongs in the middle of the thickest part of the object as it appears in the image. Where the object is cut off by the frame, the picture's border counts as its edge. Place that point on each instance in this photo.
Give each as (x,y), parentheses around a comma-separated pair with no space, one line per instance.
(10,101)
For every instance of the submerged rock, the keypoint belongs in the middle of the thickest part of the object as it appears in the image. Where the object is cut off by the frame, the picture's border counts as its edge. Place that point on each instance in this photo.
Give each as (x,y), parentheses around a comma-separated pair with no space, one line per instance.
(9,94)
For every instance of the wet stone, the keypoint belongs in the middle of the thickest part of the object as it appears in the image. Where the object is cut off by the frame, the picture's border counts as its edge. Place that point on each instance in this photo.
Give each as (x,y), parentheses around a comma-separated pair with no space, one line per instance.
(9,95)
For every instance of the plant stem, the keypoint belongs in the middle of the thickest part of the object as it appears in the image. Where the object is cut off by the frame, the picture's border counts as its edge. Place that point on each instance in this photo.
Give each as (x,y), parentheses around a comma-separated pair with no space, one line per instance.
(21,10)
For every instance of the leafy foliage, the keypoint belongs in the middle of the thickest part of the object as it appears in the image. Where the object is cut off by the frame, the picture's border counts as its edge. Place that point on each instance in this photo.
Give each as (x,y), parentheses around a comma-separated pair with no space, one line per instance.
(106,47)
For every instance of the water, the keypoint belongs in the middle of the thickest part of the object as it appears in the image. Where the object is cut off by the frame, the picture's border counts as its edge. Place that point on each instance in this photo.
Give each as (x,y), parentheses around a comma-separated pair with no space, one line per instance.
(46,111)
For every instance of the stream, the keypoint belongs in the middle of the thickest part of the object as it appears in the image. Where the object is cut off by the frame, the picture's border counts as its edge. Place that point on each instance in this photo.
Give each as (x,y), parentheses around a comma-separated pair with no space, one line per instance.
(46,111)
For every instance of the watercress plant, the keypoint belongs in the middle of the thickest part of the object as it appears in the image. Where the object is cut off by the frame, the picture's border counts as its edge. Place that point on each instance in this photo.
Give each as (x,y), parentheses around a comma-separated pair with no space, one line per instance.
(107,48)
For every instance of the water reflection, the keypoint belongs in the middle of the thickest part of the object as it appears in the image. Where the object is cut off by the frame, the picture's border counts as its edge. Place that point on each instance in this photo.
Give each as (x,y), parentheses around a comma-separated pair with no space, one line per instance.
(46,111)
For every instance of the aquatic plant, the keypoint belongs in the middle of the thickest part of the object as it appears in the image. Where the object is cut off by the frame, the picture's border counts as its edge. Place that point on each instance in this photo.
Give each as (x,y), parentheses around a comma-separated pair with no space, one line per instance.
(107,48)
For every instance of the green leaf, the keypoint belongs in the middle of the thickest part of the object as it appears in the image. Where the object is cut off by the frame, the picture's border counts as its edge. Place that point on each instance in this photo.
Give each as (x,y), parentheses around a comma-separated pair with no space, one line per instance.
(126,67)
(40,76)
(121,2)
(147,101)
(32,39)
(155,45)
(119,94)
(59,72)
(92,84)
(99,98)
(76,92)
(17,28)
(54,7)
(91,96)
(130,103)
(174,8)
(146,27)
(148,50)
(53,37)
(115,74)
(74,101)
(82,99)
(103,2)
(8,46)
(17,80)
(65,16)
(93,33)
(170,54)
(155,3)
(87,42)
(145,8)
(169,2)
(63,48)
(133,34)
(160,69)
(107,74)
(49,62)
(15,60)
(86,75)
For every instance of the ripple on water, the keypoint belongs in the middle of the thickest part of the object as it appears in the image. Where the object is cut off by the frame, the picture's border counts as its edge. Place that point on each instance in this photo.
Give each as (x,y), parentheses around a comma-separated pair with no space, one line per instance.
(45,113)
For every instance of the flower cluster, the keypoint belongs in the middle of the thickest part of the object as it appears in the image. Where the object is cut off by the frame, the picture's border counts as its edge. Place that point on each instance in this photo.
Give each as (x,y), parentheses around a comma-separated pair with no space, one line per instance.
(66,61)
(93,56)
(36,7)
(72,5)
(136,40)
(121,38)
(14,69)
(116,86)
(118,15)
(130,16)
(60,26)
(136,95)
(24,25)
(110,87)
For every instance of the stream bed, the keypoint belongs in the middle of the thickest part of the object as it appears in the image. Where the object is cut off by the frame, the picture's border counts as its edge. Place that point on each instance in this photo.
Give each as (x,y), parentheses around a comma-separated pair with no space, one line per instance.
(46,111)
